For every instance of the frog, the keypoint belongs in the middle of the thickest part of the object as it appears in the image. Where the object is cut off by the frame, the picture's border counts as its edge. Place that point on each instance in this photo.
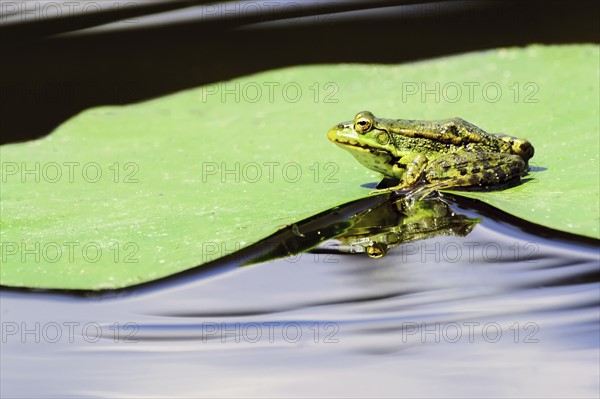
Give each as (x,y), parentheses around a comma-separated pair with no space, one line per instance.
(425,156)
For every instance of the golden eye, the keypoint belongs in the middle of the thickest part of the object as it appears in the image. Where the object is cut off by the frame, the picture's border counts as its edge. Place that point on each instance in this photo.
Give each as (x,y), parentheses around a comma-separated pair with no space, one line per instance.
(363,122)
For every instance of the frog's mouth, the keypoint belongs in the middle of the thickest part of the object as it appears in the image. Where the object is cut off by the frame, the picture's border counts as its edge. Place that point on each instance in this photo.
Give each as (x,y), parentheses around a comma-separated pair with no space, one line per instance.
(355,145)
(364,149)
(368,156)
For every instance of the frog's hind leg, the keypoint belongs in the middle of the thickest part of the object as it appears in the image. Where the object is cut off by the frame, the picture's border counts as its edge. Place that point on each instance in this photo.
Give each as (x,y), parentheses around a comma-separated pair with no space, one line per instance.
(475,168)
(470,169)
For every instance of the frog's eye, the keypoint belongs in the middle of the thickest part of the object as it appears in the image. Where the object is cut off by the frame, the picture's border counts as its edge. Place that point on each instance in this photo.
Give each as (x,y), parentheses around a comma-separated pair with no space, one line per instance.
(363,125)
(363,122)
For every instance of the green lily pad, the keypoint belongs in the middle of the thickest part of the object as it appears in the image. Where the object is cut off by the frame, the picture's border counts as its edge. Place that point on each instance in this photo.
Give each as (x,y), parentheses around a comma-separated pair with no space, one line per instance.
(118,196)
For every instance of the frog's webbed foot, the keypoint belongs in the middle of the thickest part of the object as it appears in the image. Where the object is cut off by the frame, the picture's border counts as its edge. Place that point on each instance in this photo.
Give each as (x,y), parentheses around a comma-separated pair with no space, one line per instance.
(382,191)
(399,187)
(425,190)
(422,192)
(407,196)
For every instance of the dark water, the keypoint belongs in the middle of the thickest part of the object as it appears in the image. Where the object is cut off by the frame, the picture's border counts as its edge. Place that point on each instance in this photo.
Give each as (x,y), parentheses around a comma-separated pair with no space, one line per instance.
(501,312)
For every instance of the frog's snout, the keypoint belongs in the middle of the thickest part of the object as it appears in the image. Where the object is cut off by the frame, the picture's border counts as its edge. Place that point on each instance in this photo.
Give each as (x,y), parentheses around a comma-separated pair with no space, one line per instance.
(332,133)
(339,131)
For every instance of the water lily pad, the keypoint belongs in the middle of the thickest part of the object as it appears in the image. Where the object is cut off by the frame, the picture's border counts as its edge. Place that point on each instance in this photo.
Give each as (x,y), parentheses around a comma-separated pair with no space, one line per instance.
(117,196)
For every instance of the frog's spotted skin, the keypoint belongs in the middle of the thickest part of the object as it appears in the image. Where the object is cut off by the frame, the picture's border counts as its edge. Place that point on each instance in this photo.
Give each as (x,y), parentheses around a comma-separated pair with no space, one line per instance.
(435,154)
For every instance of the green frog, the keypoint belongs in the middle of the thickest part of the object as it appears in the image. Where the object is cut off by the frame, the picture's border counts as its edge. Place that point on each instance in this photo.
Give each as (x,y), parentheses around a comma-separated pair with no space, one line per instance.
(432,155)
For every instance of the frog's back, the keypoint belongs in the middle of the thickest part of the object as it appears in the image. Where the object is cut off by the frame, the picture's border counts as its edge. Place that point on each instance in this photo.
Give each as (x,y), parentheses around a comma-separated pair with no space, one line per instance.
(444,137)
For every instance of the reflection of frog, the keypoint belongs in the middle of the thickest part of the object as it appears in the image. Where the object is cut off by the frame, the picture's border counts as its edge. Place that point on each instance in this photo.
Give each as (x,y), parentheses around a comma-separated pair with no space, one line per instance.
(392,223)
(432,155)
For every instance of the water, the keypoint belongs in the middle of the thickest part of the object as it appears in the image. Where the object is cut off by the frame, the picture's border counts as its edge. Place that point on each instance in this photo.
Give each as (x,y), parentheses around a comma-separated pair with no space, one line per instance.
(501,312)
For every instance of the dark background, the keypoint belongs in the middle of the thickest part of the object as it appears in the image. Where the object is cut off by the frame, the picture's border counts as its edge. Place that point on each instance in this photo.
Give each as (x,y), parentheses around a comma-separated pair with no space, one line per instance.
(52,66)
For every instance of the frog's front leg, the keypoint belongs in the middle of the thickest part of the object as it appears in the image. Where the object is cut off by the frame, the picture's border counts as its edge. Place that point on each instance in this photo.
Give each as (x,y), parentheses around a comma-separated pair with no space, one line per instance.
(408,169)
(415,166)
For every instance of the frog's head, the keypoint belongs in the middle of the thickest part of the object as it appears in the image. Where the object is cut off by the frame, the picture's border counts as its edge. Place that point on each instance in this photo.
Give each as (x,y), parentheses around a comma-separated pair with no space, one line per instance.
(370,145)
